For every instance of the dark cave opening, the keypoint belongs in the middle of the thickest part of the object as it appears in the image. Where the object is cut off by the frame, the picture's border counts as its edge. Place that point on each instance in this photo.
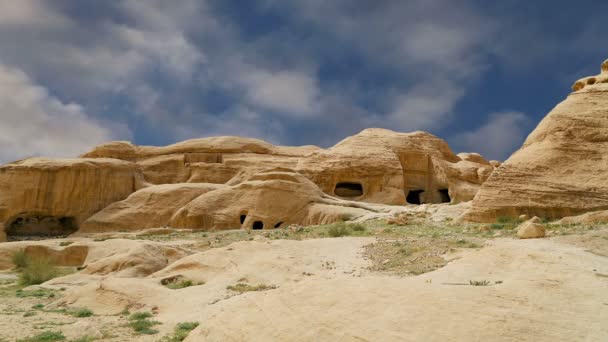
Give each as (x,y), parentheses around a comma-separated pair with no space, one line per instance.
(348,189)
(413,197)
(32,225)
(258,225)
(445,196)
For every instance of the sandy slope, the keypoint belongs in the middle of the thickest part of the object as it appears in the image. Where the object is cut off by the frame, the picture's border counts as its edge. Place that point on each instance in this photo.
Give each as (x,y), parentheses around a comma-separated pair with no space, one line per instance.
(549,292)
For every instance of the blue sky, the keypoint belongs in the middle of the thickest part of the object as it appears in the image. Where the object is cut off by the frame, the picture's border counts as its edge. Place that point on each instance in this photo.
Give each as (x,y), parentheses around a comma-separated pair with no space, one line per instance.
(480,74)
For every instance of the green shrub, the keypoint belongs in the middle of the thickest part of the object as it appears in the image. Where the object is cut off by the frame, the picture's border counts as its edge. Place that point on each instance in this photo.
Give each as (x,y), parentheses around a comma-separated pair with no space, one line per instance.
(139,315)
(242,287)
(479,282)
(338,229)
(181,332)
(358,227)
(46,336)
(84,312)
(20,259)
(144,326)
(37,271)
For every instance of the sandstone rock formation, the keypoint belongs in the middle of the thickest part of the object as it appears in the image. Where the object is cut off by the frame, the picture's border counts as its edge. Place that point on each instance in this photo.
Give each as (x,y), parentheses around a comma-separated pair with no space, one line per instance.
(212,183)
(53,196)
(562,168)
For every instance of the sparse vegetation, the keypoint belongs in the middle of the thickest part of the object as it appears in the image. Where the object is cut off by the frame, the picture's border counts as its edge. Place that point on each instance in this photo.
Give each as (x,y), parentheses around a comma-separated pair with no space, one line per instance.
(37,271)
(140,323)
(182,283)
(358,227)
(65,243)
(243,287)
(34,270)
(479,282)
(20,259)
(40,293)
(338,229)
(46,336)
(84,339)
(140,315)
(82,312)
(181,332)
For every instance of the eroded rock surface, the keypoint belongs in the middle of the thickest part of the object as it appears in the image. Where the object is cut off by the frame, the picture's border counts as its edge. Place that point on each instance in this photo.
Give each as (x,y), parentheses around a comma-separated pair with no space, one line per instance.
(562,168)
(231,182)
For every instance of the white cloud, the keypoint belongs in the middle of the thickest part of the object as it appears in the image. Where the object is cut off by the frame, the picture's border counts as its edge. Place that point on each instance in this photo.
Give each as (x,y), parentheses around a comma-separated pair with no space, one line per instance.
(286,92)
(30,13)
(35,123)
(498,137)
(424,107)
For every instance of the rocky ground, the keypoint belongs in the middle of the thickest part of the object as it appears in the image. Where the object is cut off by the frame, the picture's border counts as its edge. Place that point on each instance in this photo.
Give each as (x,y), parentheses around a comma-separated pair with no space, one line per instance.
(406,278)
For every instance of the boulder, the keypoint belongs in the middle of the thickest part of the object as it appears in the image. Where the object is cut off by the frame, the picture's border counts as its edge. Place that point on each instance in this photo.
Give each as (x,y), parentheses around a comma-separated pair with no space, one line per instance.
(531,229)
(561,169)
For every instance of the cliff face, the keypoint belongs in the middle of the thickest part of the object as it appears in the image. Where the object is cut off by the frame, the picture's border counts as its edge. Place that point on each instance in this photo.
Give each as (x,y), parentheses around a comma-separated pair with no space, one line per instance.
(209,183)
(562,168)
(52,196)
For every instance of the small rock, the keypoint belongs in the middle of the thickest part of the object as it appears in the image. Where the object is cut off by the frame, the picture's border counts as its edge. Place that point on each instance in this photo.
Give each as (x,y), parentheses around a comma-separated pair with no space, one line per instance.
(484,228)
(82,329)
(524,217)
(260,238)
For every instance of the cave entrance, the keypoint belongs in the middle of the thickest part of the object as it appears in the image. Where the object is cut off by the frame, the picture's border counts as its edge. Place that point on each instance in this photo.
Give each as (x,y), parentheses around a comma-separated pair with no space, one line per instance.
(445,196)
(258,225)
(348,189)
(31,226)
(413,197)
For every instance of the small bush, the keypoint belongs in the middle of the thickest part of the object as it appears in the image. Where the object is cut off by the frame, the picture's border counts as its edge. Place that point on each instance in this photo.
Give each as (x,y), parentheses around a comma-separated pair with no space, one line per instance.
(37,271)
(181,332)
(84,312)
(507,219)
(35,293)
(479,282)
(20,259)
(46,336)
(144,326)
(183,283)
(139,315)
(338,230)
(65,243)
(242,287)
(358,227)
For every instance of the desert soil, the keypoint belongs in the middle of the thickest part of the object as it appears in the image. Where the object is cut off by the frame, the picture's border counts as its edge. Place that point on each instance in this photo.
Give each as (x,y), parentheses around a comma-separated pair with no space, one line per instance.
(410,283)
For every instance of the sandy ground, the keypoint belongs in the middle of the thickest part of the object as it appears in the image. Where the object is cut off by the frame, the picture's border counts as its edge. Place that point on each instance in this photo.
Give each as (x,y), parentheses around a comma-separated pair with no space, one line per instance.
(553,289)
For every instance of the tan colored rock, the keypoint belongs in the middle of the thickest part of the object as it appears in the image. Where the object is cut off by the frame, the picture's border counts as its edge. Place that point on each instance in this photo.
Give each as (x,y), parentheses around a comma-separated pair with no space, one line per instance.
(562,168)
(269,199)
(147,208)
(531,229)
(587,218)
(179,183)
(473,157)
(53,196)
(382,166)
